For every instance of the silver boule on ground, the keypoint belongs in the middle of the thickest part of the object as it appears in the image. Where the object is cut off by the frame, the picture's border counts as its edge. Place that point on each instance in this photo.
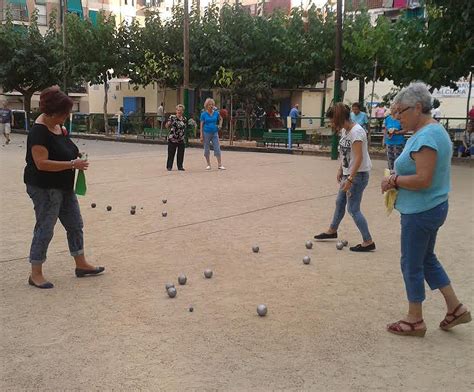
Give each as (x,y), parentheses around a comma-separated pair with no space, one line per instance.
(262,310)
(309,245)
(306,260)
(255,249)
(339,245)
(182,279)
(172,292)
(208,273)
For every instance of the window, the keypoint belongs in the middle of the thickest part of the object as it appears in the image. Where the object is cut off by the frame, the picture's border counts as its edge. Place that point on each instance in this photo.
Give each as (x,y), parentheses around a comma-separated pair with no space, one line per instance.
(18,10)
(42,18)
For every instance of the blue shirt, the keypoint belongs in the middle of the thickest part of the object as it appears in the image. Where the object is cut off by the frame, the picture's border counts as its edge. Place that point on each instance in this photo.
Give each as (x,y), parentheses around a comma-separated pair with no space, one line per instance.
(435,137)
(360,119)
(210,121)
(294,114)
(391,123)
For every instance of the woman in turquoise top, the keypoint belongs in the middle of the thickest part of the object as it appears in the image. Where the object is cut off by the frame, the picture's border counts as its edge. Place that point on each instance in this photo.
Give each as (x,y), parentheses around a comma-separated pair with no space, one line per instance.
(211,122)
(423,179)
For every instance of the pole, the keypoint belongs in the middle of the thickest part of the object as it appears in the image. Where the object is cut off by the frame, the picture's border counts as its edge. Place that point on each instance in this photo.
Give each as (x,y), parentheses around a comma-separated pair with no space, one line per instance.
(337,73)
(63,17)
(323,105)
(469,97)
(186,57)
(372,100)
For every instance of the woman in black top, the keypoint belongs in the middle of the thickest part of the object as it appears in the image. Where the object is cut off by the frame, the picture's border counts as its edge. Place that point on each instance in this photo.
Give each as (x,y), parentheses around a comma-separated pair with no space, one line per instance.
(177,125)
(51,160)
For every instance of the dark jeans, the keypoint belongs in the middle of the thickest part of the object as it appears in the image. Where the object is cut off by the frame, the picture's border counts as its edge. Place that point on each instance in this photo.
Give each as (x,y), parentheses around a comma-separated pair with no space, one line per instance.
(51,204)
(172,147)
(418,261)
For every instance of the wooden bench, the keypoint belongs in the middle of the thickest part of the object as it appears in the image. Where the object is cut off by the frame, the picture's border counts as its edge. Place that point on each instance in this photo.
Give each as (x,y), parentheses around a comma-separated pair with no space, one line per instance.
(155,133)
(282,137)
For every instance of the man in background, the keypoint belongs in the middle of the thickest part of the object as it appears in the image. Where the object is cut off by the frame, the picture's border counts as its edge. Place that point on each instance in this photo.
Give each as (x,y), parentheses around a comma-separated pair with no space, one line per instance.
(359,117)
(5,121)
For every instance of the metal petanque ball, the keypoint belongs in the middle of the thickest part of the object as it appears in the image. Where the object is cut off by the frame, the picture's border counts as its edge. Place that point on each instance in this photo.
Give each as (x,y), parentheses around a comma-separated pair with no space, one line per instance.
(132,212)
(109,208)
(182,279)
(345,242)
(208,273)
(93,205)
(306,260)
(255,249)
(172,292)
(164,201)
(262,310)
(164,214)
(169,285)
(339,245)
(133,207)
(191,309)
(309,245)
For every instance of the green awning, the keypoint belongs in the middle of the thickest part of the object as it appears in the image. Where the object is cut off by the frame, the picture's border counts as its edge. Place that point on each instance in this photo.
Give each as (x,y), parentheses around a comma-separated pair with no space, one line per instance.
(20,2)
(93,16)
(75,6)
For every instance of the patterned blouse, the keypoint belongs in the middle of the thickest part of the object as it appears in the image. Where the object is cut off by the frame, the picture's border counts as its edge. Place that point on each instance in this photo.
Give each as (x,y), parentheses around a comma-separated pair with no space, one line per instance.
(177,129)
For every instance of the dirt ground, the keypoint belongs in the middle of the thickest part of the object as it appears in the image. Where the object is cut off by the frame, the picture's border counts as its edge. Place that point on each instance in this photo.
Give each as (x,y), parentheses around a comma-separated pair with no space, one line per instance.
(325,325)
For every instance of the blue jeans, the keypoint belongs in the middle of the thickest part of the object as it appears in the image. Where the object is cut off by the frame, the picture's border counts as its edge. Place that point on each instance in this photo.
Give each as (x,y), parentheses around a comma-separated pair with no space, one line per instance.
(214,138)
(51,204)
(418,261)
(353,199)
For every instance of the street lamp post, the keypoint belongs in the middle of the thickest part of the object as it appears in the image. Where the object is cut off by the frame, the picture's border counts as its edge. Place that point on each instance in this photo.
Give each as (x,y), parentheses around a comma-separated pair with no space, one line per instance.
(186,57)
(337,72)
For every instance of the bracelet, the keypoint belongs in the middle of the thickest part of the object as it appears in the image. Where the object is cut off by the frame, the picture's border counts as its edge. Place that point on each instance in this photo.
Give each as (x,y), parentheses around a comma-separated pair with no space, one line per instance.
(395,182)
(350,179)
(72,164)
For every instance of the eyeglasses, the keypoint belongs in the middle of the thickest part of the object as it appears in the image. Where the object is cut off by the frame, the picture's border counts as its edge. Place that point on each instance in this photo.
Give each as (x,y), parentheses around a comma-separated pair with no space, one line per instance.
(399,112)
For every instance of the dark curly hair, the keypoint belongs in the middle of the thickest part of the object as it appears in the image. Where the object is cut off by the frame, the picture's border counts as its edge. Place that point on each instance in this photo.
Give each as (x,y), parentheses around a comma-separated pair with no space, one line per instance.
(54,102)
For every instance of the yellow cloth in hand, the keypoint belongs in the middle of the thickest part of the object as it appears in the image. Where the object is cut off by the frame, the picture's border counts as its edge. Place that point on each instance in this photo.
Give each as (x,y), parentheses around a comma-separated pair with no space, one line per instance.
(390,196)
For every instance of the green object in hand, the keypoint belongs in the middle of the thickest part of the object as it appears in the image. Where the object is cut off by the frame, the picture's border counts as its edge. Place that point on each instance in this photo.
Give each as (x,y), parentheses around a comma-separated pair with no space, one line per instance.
(81,187)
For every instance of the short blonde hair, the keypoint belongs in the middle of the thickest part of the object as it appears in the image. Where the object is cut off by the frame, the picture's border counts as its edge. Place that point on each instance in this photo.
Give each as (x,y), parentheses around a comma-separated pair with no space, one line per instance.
(208,101)
(180,105)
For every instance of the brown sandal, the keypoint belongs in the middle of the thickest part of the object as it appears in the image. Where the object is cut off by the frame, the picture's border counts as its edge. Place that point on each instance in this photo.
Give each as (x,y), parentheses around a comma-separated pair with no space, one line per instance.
(397,329)
(464,317)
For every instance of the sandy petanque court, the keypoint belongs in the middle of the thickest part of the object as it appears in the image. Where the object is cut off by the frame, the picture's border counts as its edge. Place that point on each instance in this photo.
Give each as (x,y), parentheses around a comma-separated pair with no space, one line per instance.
(324,330)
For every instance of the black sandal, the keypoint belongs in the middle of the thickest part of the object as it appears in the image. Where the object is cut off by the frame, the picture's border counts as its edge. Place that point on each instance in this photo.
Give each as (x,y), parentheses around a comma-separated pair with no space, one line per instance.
(80,272)
(325,236)
(360,248)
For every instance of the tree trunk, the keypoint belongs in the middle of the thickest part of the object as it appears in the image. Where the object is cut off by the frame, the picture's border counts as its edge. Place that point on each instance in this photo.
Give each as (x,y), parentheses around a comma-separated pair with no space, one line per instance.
(231,134)
(361,90)
(164,110)
(106,99)
(27,107)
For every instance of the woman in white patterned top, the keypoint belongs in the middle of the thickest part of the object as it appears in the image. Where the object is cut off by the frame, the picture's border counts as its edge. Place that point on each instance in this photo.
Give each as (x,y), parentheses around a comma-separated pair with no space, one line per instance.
(177,125)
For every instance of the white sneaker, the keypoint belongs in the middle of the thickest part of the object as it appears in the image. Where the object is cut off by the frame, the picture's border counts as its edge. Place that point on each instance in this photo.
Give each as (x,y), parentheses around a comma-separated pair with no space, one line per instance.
(208,168)
(221,167)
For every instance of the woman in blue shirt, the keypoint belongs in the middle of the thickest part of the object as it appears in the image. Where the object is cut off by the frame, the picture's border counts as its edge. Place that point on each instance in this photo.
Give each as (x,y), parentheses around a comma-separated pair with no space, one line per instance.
(211,122)
(394,139)
(422,177)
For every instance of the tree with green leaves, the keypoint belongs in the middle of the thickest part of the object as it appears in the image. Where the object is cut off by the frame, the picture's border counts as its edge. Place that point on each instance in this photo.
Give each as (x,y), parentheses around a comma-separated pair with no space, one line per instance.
(367,49)
(97,53)
(436,47)
(29,61)
(150,63)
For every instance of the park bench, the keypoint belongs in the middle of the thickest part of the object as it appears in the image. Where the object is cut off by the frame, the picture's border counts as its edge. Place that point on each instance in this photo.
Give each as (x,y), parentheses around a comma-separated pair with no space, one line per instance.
(154,133)
(282,137)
